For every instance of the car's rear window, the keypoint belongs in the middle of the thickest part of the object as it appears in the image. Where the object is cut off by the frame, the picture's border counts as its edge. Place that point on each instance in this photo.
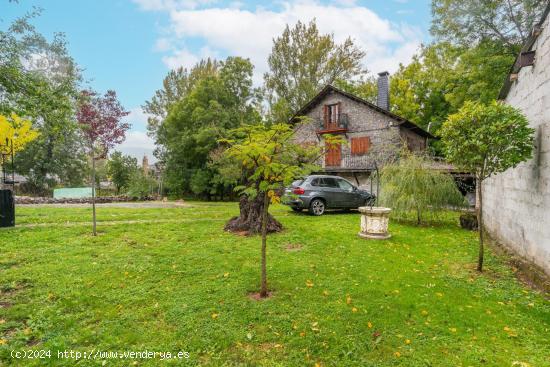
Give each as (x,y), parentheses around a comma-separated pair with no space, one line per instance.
(297,183)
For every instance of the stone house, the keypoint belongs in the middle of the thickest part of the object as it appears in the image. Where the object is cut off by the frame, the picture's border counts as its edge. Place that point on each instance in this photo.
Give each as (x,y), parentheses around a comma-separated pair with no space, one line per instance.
(374,135)
(516,203)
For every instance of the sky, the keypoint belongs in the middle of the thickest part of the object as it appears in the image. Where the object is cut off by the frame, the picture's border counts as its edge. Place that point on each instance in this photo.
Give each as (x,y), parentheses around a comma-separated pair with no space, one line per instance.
(130,45)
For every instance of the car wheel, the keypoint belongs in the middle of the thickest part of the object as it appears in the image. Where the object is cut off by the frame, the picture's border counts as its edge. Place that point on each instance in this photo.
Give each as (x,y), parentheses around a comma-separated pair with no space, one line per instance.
(317,207)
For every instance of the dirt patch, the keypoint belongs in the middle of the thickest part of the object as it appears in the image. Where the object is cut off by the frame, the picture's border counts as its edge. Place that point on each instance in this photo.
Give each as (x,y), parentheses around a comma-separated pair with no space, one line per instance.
(240,233)
(292,247)
(255,296)
(32,342)
(8,265)
(5,305)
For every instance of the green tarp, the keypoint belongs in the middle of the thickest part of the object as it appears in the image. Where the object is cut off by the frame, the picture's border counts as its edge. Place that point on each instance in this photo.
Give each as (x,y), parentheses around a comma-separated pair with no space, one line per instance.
(74,192)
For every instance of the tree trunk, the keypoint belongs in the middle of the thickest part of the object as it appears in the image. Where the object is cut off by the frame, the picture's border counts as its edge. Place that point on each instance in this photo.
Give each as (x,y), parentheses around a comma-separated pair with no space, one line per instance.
(250,218)
(263,290)
(480,225)
(93,197)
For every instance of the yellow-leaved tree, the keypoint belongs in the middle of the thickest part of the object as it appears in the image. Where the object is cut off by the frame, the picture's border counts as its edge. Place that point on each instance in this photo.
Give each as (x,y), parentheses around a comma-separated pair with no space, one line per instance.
(15,132)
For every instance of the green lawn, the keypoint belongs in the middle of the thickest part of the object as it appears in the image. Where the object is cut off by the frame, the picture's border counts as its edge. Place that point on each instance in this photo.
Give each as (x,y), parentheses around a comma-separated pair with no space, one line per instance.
(171,280)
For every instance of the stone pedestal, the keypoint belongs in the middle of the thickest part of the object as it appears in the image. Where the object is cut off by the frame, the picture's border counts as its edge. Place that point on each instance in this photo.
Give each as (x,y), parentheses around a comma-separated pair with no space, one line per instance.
(374,222)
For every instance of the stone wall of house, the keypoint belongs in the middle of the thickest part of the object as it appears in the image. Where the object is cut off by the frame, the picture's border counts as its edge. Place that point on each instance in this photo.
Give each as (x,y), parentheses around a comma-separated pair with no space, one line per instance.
(382,130)
(413,141)
(517,202)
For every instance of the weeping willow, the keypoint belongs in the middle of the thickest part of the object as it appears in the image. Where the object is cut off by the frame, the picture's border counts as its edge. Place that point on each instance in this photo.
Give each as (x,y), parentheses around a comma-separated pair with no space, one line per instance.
(412,188)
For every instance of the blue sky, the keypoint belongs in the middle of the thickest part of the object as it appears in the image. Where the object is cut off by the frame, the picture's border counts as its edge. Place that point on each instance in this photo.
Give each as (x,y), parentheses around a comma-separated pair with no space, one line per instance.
(129,45)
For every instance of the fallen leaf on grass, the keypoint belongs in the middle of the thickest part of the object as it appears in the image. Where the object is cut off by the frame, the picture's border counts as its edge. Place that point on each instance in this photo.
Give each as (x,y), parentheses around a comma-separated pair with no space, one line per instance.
(215,316)
(309,283)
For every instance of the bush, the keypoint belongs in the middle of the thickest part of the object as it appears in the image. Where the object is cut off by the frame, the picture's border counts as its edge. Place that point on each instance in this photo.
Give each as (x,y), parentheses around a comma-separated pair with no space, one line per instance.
(140,185)
(412,188)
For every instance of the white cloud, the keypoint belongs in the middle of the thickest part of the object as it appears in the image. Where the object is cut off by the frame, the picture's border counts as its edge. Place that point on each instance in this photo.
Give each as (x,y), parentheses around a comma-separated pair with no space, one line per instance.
(137,144)
(160,5)
(186,58)
(162,45)
(137,118)
(237,31)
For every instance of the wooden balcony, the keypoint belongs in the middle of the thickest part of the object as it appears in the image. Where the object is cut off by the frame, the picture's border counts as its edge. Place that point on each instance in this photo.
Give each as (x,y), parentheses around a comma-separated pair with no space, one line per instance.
(337,126)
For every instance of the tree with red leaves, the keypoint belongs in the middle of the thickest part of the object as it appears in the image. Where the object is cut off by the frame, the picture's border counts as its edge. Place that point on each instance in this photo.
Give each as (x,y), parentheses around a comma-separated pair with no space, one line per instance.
(100,120)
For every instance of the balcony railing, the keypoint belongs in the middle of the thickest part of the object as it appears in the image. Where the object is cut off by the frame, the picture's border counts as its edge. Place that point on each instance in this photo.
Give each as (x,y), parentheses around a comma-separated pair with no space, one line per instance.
(340,124)
(363,162)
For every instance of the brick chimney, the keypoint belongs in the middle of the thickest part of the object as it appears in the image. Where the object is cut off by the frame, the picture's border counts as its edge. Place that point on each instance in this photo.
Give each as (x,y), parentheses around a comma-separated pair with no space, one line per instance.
(383,99)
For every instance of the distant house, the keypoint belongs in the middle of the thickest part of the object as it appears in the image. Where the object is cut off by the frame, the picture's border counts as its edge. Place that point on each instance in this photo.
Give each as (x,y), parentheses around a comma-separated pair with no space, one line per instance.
(517,202)
(373,134)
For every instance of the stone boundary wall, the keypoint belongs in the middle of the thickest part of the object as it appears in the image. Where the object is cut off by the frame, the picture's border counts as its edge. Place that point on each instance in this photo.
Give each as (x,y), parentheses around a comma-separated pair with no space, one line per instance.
(516,203)
(99,200)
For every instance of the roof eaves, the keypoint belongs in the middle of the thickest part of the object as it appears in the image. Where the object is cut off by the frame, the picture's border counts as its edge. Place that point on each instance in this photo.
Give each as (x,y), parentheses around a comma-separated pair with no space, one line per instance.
(514,69)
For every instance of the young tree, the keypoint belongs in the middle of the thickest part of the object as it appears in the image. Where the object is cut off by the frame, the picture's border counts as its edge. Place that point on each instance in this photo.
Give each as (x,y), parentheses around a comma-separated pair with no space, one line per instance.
(121,167)
(269,160)
(412,185)
(485,140)
(302,61)
(100,120)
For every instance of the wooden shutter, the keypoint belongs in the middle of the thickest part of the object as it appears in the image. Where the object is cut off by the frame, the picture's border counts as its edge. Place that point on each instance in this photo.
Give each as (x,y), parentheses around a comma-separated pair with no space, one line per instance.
(360,145)
(333,155)
(325,115)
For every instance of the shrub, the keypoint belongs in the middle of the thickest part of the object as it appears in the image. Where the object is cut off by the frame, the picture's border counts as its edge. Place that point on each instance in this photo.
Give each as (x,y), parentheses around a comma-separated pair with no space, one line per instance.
(412,187)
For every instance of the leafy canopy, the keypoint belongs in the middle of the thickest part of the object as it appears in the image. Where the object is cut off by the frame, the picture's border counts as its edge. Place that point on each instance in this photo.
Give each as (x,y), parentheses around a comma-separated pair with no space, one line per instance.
(217,102)
(411,185)
(39,80)
(100,120)
(487,139)
(15,132)
(468,22)
(269,157)
(302,61)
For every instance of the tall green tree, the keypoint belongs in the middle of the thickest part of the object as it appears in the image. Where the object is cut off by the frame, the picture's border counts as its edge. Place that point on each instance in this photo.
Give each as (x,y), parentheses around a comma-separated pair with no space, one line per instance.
(39,80)
(120,168)
(301,62)
(468,22)
(439,79)
(216,103)
(486,139)
(175,86)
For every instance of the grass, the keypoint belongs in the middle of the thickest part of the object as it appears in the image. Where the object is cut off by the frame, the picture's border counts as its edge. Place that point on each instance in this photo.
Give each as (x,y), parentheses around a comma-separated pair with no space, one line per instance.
(177,282)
